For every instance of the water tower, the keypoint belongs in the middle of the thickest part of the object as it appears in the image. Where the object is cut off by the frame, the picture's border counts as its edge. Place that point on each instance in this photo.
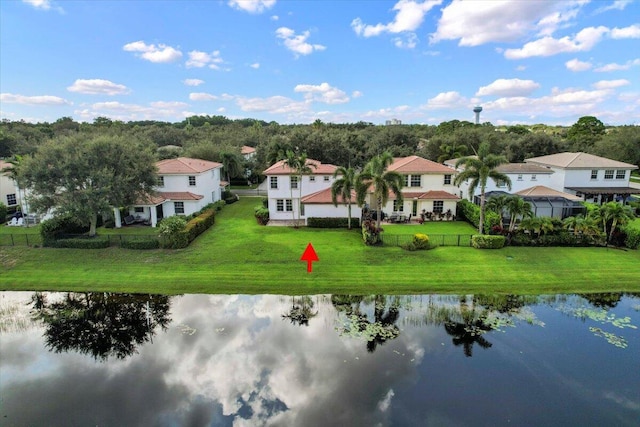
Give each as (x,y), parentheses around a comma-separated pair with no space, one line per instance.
(477,109)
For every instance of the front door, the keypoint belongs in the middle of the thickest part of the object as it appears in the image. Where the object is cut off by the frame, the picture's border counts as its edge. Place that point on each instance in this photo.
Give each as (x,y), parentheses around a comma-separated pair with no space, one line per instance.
(414,208)
(159,212)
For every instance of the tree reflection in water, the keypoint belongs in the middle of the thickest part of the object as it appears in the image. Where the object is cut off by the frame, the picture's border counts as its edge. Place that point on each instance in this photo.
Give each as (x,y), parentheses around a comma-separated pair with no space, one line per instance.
(301,311)
(383,327)
(102,325)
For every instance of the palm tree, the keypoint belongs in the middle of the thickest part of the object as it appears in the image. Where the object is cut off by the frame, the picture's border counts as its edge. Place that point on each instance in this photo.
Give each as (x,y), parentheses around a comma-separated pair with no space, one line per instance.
(299,165)
(232,165)
(617,214)
(383,181)
(517,207)
(498,204)
(344,187)
(479,169)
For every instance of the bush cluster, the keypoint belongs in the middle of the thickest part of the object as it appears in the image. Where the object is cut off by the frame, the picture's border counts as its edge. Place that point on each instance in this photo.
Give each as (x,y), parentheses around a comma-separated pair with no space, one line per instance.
(315,222)
(471,213)
(419,242)
(81,243)
(486,241)
(371,233)
(176,233)
(560,238)
(632,240)
(53,228)
(3,212)
(141,243)
(262,215)
(229,197)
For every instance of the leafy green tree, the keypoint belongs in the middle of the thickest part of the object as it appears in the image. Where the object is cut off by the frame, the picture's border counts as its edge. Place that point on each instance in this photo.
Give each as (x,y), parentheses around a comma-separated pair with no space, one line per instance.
(344,187)
(298,165)
(87,176)
(376,176)
(231,165)
(479,169)
(517,207)
(621,143)
(581,224)
(615,214)
(585,132)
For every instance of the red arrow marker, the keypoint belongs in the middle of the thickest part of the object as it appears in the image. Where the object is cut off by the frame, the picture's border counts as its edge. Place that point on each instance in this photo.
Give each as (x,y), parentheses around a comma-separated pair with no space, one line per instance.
(310,256)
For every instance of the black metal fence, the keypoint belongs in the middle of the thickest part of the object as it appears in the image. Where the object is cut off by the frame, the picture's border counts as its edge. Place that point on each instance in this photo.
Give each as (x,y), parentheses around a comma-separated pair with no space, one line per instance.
(36,240)
(435,239)
(20,240)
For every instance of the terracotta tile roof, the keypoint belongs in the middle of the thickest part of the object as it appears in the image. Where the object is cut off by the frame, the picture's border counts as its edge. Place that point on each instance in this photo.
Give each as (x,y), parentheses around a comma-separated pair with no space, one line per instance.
(543,191)
(185,165)
(579,161)
(523,168)
(323,197)
(247,150)
(418,165)
(317,168)
(223,184)
(150,200)
(428,195)
(165,196)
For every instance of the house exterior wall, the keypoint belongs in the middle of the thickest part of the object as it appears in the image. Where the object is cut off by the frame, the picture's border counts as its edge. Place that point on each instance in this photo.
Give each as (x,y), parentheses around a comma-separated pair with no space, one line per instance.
(207,184)
(426,205)
(582,178)
(520,181)
(284,192)
(330,211)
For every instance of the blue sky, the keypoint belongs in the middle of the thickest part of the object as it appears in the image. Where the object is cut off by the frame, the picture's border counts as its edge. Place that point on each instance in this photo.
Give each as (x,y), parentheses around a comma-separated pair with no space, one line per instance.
(338,61)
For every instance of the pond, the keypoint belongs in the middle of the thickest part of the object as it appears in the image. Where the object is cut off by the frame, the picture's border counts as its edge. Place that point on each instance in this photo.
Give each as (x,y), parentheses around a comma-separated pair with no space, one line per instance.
(100,359)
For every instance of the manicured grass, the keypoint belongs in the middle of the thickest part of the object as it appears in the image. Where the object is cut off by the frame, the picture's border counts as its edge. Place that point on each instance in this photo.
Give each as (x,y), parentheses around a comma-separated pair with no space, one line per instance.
(239,256)
(430,227)
(32,229)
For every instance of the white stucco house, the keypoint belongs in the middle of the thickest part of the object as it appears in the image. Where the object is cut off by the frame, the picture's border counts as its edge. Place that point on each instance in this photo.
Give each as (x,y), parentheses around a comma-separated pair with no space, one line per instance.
(9,191)
(184,186)
(285,191)
(593,178)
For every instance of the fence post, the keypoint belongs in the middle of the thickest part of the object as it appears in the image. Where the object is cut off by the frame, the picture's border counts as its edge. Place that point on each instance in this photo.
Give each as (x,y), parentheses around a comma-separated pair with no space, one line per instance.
(12,242)
(27,236)
(458,240)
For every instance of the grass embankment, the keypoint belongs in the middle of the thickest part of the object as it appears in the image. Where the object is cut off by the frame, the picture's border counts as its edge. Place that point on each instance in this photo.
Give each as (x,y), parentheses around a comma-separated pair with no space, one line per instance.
(239,256)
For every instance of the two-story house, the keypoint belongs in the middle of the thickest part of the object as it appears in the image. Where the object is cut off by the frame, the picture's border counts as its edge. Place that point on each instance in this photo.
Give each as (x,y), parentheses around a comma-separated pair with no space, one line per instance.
(285,190)
(9,191)
(184,186)
(428,187)
(593,178)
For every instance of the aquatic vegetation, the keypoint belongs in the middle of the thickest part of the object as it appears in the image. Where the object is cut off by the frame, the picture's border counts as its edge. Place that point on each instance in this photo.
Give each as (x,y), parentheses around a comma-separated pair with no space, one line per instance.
(611,338)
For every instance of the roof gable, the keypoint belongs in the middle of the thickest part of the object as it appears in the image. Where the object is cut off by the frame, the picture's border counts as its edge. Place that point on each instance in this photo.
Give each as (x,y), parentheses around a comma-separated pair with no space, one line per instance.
(579,161)
(317,168)
(185,165)
(418,165)
(323,197)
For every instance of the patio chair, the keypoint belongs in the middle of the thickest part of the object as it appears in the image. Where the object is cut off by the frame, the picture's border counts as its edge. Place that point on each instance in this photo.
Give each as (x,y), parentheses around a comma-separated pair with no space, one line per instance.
(13,222)
(129,219)
(20,222)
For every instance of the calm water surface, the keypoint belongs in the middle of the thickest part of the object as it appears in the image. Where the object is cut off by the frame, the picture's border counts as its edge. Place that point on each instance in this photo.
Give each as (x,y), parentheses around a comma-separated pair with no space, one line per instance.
(328,360)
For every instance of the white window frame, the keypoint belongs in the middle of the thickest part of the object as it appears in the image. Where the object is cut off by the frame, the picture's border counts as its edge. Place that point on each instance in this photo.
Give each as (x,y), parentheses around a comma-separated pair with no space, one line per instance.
(11,197)
(280,205)
(273,182)
(294,182)
(621,174)
(178,208)
(192,180)
(325,178)
(416,180)
(438,206)
(398,207)
(406,180)
(160,182)
(594,174)
(609,174)
(288,205)
(447,179)
(519,177)
(312,178)
(534,177)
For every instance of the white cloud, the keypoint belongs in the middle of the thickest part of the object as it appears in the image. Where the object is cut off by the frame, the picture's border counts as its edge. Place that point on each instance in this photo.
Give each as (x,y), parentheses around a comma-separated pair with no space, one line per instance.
(610,84)
(97,87)
(631,32)
(509,87)
(356,94)
(616,5)
(255,65)
(153,53)
(44,5)
(202,96)
(385,403)
(577,65)
(274,17)
(198,59)
(11,98)
(272,105)
(548,46)
(478,22)
(252,6)
(409,41)
(617,67)
(447,100)
(297,43)
(193,82)
(521,67)
(322,93)
(169,104)
(159,110)
(409,17)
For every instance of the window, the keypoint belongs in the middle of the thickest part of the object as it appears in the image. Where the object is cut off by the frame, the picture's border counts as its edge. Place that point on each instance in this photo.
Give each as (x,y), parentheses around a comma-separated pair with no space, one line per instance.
(138,209)
(178,207)
(594,174)
(312,178)
(447,179)
(280,205)
(325,178)
(192,181)
(273,182)
(160,182)
(11,200)
(608,174)
(620,174)
(416,180)
(289,205)
(294,182)
(398,206)
(438,206)
(533,177)
(501,184)
(519,177)
(406,180)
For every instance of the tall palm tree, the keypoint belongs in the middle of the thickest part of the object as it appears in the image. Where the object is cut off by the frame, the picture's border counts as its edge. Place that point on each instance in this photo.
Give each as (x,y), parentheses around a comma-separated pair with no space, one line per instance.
(517,207)
(299,165)
(617,214)
(344,187)
(498,205)
(383,181)
(232,165)
(479,169)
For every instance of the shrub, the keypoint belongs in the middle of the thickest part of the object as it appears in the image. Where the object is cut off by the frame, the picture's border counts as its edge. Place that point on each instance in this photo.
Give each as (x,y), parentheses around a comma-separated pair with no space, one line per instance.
(265,202)
(315,222)
(172,232)
(141,243)
(82,243)
(52,228)
(632,240)
(217,206)
(471,213)
(371,233)
(3,212)
(484,241)
(109,223)
(262,215)
(199,224)
(419,242)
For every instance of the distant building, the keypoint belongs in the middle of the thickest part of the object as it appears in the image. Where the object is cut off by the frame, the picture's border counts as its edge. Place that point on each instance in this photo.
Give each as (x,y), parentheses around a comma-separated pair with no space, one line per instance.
(393,122)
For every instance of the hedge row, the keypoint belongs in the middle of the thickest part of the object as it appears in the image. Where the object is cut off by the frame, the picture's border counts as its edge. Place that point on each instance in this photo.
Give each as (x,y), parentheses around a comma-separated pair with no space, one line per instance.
(193,229)
(81,243)
(486,241)
(561,238)
(471,212)
(150,243)
(315,222)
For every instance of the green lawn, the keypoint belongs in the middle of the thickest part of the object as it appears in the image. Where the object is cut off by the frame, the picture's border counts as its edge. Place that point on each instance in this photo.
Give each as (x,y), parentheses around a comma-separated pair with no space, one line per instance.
(430,227)
(239,256)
